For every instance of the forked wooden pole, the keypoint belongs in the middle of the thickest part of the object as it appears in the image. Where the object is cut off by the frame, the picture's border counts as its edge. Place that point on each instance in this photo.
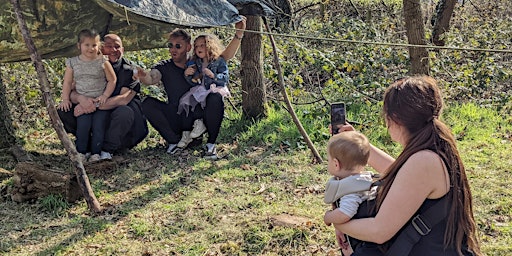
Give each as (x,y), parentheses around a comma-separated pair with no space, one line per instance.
(81,175)
(289,105)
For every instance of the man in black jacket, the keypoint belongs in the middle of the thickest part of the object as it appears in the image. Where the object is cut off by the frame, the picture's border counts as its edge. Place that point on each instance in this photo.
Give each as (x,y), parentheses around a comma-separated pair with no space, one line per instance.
(127,125)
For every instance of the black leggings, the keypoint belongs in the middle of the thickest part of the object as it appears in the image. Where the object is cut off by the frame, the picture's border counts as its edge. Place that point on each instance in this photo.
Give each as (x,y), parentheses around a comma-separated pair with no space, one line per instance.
(126,126)
(165,119)
(213,114)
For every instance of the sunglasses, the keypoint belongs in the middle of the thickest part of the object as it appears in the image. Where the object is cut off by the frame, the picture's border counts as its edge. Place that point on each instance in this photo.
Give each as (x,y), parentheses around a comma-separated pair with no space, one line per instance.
(171,45)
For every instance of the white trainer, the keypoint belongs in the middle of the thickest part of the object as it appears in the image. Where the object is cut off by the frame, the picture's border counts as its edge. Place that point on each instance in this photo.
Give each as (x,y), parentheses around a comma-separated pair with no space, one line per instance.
(105,155)
(185,140)
(198,130)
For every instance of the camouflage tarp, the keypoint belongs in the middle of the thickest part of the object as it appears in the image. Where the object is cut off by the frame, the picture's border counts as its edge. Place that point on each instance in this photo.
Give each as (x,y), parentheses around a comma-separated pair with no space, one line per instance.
(143,24)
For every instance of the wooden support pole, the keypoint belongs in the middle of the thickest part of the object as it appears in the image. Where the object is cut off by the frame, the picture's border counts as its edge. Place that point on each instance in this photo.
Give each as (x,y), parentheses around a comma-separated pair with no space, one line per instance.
(289,105)
(81,175)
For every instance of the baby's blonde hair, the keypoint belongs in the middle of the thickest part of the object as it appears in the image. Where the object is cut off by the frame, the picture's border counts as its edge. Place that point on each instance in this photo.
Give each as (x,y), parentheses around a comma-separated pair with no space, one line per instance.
(350,148)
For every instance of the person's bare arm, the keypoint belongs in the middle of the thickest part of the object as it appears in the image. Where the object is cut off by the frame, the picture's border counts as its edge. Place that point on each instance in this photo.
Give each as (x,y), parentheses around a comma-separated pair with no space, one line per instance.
(65,104)
(111,82)
(379,160)
(124,97)
(152,77)
(233,46)
(422,176)
(335,217)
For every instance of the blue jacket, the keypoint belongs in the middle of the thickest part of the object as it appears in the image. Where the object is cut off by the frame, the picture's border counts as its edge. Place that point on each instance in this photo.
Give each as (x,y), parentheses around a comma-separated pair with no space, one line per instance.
(219,67)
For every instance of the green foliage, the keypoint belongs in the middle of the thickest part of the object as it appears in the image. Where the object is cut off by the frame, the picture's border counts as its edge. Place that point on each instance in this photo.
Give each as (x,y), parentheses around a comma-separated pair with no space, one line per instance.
(184,205)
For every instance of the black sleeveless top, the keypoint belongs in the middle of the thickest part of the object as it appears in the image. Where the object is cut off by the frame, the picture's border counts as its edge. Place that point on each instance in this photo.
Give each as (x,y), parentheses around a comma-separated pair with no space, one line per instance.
(431,244)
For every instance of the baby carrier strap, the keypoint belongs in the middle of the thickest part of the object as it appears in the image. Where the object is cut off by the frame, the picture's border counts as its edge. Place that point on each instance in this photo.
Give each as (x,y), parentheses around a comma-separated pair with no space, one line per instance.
(335,188)
(420,225)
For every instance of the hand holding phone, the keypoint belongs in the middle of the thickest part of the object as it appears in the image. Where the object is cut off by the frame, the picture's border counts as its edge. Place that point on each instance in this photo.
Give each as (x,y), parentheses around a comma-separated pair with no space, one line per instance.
(337,116)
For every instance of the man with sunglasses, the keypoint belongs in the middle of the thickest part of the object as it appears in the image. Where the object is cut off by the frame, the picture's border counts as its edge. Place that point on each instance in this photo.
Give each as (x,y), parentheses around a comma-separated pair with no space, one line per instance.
(163,116)
(127,125)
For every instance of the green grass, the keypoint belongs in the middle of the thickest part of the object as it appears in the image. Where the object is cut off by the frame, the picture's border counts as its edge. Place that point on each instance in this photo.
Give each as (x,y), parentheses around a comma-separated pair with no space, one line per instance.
(156,204)
(164,205)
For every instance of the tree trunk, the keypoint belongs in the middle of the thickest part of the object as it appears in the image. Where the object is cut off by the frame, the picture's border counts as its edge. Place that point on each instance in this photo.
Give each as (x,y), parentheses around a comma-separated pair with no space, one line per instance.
(253,88)
(7,139)
(441,20)
(416,36)
(83,180)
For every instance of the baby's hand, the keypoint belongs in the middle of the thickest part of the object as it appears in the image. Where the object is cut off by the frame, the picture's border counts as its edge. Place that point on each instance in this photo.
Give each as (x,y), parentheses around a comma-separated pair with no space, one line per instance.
(208,72)
(190,70)
(64,105)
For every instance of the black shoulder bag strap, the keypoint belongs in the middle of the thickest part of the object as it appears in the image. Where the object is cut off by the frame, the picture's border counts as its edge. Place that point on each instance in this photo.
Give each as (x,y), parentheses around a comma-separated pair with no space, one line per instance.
(420,225)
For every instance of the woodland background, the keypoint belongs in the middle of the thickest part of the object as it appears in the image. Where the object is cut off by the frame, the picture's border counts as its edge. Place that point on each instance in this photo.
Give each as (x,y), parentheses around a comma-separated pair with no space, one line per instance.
(167,205)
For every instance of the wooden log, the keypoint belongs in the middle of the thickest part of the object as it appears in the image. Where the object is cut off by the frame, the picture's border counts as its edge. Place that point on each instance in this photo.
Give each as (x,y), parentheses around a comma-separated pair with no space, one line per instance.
(32,181)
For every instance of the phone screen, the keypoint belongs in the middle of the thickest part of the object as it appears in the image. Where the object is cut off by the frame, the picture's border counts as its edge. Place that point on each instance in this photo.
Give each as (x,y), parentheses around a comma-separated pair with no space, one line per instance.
(337,116)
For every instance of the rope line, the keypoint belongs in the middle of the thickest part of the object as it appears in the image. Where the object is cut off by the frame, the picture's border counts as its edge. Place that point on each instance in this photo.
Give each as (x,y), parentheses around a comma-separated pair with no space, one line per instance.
(176,21)
(378,43)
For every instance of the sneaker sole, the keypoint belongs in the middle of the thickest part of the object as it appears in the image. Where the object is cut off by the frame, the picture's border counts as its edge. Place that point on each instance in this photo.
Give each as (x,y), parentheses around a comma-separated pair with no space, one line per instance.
(213,157)
(174,150)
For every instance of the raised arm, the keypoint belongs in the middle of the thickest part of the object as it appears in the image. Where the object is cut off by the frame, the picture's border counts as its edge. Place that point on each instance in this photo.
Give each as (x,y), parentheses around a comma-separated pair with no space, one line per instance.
(233,46)
(379,160)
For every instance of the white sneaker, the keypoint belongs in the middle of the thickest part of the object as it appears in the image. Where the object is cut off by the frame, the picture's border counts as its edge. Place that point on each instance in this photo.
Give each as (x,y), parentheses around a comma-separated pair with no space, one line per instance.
(198,130)
(94,158)
(185,140)
(105,155)
(172,149)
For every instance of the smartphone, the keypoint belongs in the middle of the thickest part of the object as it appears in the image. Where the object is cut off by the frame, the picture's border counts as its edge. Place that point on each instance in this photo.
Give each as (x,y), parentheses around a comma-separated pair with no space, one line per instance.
(337,116)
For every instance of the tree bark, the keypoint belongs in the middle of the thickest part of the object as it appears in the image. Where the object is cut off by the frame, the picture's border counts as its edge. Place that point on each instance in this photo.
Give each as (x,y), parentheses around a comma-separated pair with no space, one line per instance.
(441,20)
(81,175)
(32,181)
(416,36)
(7,139)
(253,89)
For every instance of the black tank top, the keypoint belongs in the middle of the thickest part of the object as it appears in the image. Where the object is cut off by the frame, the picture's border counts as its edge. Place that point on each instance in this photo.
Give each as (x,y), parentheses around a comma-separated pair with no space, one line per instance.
(431,244)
